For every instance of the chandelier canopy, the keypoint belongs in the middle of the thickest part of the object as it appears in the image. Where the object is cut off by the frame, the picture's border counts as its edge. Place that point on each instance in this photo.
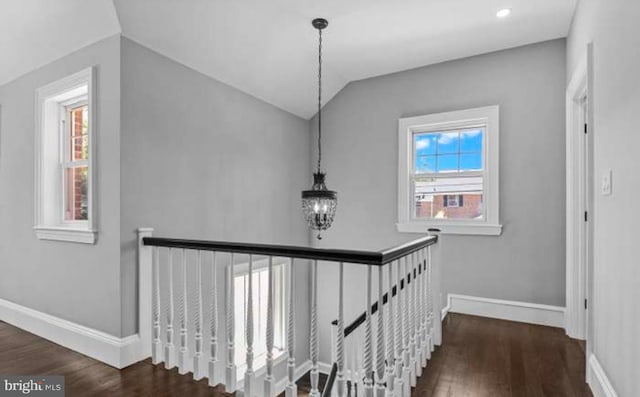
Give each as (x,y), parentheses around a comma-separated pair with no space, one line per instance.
(319,204)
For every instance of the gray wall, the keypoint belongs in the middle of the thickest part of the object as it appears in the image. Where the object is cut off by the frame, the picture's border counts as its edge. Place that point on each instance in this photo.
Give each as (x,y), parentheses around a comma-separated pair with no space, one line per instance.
(613,28)
(203,160)
(525,263)
(76,282)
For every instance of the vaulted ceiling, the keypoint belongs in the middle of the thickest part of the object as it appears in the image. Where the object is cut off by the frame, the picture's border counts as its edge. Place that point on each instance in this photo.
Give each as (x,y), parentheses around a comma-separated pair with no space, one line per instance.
(268,48)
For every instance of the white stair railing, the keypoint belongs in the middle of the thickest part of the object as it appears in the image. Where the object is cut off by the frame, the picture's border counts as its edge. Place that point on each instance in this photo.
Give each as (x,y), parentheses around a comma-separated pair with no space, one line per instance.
(379,354)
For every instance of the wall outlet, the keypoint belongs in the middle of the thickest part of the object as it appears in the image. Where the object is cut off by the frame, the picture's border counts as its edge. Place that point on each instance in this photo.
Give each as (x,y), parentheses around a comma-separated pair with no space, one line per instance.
(605,186)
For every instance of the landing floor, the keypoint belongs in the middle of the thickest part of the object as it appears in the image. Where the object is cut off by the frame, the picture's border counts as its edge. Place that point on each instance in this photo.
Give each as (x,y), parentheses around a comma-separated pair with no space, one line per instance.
(479,357)
(484,357)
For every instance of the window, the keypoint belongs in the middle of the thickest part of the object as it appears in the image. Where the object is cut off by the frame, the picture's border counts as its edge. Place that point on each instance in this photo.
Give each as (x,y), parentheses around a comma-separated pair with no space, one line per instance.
(260,295)
(453,201)
(75,160)
(448,172)
(65,159)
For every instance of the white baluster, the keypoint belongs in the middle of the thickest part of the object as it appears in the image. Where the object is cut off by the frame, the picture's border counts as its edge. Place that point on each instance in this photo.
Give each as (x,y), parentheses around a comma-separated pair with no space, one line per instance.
(357,373)
(425,310)
(313,348)
(398,385)
(380,351)
(198,358)
(390,335)
(406,369)
(412,319)
(360,371)
(269,380)
(417,318)
(422,311)
(434,315)
(419,315)
(291,388)
(249,375)
(182,309)
(213,323)
(230,370)
(340,380)
(351,363)
(156,351)
(416,313)
(368,354)
(169,349)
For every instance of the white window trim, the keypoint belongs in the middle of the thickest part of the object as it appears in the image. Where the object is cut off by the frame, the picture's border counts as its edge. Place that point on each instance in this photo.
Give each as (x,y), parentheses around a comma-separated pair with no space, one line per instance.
(58,230)
(488,116)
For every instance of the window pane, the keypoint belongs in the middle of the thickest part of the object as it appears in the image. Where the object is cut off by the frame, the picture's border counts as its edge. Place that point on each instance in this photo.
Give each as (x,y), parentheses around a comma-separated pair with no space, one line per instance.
(79,140)
(448,163)
(76,200)
(448,142)
(77,121)
(430,196)
(471,141)
(425,144)
(471,162)
(425,164)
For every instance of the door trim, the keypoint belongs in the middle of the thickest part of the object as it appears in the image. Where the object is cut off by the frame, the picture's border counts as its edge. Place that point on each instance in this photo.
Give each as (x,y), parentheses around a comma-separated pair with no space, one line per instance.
(578,168)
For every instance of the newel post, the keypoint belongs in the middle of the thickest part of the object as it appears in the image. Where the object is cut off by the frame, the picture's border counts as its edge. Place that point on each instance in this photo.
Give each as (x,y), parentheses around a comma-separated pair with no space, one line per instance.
(434,272)
(145,293)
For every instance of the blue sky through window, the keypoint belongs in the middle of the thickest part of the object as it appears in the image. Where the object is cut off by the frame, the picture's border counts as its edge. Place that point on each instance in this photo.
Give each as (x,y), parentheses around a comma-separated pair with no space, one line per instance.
(451,151)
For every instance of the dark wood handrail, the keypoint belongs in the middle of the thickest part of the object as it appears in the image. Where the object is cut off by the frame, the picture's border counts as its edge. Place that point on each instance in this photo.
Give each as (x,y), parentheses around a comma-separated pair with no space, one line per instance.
(373,258)
(385,298)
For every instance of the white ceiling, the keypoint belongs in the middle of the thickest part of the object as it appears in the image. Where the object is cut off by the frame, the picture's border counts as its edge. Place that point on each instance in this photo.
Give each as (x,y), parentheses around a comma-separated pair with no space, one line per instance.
(268,48)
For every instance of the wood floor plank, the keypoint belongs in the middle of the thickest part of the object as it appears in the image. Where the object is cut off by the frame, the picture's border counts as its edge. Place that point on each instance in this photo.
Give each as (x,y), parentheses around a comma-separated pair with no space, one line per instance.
(486,357)
(479,357)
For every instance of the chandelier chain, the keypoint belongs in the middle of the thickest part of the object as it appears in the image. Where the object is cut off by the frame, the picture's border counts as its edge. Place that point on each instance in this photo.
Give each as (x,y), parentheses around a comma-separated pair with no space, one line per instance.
(319,98)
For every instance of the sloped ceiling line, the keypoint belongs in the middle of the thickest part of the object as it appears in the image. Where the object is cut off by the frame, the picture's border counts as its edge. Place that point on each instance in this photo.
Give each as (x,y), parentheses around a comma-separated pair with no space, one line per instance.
(268,49)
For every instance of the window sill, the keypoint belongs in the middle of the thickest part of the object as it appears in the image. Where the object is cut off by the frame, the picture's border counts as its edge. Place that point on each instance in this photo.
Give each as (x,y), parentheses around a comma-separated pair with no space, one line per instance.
(67,234)
(483,229)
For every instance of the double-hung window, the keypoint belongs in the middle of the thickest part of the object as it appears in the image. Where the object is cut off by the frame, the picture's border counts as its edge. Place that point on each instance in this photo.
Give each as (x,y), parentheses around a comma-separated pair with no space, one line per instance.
(74,160)
(448,172)
(65,202)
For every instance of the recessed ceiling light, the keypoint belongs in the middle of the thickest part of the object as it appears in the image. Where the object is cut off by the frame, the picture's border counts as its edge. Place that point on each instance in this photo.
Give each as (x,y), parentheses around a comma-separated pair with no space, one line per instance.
(505,12)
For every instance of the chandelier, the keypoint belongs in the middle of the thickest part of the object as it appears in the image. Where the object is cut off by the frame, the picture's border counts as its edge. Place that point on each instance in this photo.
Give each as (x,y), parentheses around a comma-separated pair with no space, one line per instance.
(319,204)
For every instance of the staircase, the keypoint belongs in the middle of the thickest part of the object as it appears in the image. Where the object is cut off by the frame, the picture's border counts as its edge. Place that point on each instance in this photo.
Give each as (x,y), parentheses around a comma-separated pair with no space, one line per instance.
(190,315)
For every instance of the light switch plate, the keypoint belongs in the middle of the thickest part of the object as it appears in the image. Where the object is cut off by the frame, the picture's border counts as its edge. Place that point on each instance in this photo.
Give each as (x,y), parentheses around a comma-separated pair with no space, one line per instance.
(605,187)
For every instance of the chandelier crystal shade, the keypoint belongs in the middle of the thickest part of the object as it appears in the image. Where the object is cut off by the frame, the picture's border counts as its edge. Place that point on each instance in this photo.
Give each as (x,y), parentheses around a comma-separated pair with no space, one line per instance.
(319,204)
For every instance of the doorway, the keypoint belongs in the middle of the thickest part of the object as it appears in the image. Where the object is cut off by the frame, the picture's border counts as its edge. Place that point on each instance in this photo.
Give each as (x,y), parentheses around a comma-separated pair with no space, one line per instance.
(579,205)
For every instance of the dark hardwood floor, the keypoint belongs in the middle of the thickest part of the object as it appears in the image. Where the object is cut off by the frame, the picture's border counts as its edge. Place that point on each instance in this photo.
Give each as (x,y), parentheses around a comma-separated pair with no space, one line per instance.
(479,357)
(484,357)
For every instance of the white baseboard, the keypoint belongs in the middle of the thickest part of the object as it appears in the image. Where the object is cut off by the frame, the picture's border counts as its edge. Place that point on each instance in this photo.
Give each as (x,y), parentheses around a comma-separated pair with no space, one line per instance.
(598,380)
(111,350)
(445,311)
(532,313)
(324,368)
